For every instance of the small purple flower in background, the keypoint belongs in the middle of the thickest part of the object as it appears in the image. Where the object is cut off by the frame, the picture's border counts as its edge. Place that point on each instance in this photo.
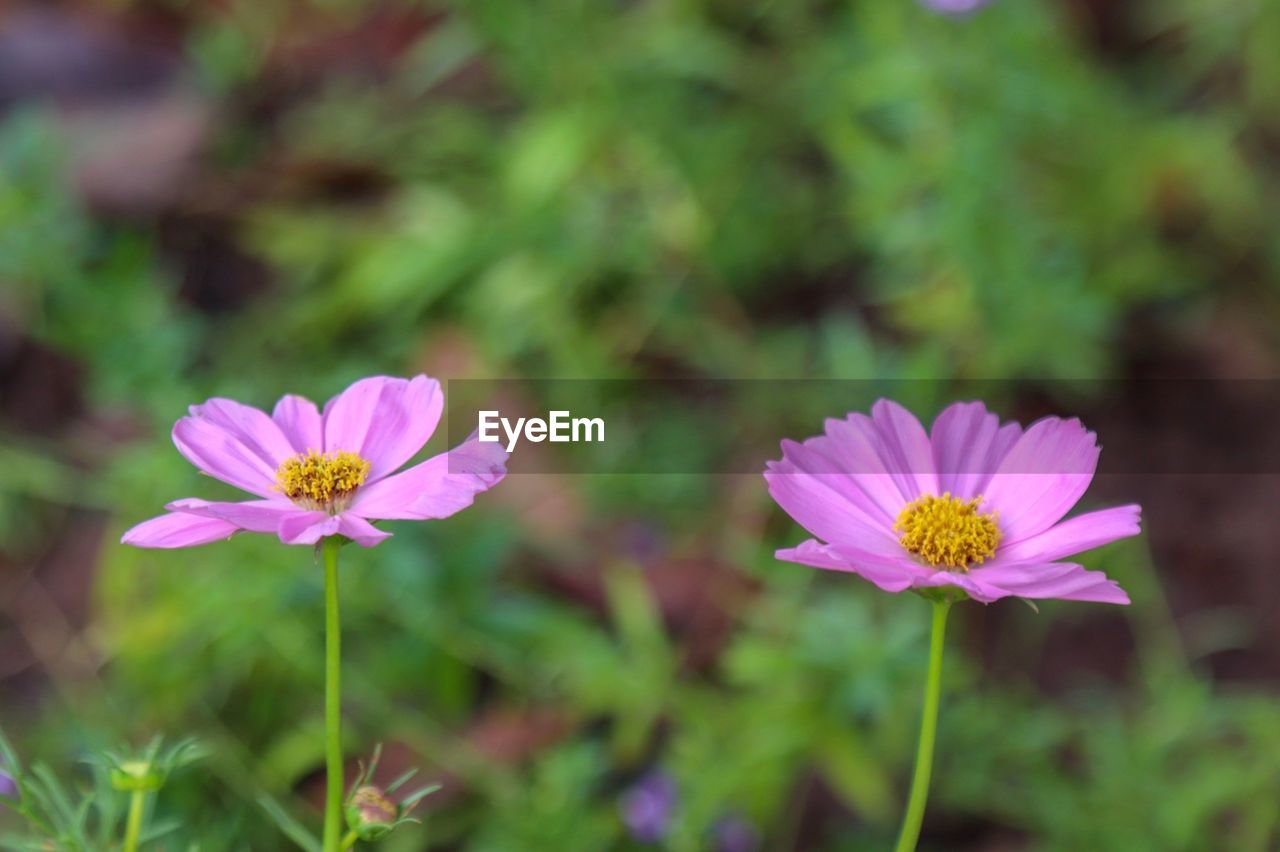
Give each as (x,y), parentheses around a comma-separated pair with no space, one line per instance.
(648,807)
(734,834)
(320,474)
(8,786)
(954,7)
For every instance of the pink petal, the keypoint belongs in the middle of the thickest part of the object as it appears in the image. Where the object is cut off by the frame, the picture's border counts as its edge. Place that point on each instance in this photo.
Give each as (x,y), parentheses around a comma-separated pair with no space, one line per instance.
(886,460)
(1064,580)
(935,578)
(436,488)
(1042,476)
(249,426)
(906,449)
(262,516)
(177,530)
(307,527)
(223,456)
(968,445)
(814,503)
(384,420)
(1076,535)
(849,466)
(890,575)
(300,421)
(360,531)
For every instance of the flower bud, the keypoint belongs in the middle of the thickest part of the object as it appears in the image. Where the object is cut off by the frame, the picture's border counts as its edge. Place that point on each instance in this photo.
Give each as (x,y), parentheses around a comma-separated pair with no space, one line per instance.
(8,786)
(370,814)
(136,775)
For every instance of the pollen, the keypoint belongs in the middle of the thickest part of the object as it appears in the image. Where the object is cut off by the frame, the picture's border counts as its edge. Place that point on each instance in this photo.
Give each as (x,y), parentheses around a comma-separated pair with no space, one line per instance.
(948,532)
(321,480)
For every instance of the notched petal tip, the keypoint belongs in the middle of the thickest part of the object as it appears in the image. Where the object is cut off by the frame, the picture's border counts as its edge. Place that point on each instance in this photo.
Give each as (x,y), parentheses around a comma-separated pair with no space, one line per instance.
(384,419)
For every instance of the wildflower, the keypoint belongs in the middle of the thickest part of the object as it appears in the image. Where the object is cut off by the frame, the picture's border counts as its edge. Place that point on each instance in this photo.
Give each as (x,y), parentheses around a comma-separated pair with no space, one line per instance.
(732,833)
(320,474)
(954,7)
(649,806)
(8,786)
(974,507)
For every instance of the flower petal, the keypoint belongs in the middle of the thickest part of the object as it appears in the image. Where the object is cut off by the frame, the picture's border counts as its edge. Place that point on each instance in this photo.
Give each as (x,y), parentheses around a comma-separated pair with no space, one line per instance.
(905,448)
(814,503)
(1064,580)
(177,529)
(1042,476)
(890,575)
(968,445)
(251,427)
(849,466)
(1075,535)
(262,516)
(360,531)
(307,527)
(300,421)
(384,420)
(436,488)
(223,456)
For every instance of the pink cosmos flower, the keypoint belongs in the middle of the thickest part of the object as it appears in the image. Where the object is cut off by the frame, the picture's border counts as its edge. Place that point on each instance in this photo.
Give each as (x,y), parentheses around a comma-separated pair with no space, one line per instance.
(973,504)
(326,474)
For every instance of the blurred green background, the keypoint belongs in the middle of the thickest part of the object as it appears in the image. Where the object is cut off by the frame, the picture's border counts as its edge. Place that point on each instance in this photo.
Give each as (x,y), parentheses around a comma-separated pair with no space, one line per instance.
(250,197)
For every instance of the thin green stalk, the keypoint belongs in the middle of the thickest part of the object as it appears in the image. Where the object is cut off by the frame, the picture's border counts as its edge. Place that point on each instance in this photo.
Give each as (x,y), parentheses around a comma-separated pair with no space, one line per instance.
(349,840)
(133,827)
(332,699)
(928,733)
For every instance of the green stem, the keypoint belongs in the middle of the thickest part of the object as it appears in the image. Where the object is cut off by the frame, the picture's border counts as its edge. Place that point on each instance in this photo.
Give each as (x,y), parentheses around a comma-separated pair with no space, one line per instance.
(349,840)
(133,827)
(332,698)
(928,733)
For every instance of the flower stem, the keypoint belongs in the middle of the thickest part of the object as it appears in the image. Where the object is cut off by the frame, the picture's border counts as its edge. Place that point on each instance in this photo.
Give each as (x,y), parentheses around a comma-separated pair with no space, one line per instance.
(332,698)
(349,840)
(928,733)
(133,827)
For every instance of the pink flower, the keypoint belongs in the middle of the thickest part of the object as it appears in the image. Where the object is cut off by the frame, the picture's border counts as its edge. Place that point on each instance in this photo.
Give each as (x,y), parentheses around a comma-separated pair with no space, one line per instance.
(974,504)
(326,474)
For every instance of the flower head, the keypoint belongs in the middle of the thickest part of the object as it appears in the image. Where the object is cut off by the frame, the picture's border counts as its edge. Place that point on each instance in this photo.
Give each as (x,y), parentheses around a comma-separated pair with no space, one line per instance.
(318,474)
(973,505)
(649,806)
(8,786)
(954,7)
(732,833)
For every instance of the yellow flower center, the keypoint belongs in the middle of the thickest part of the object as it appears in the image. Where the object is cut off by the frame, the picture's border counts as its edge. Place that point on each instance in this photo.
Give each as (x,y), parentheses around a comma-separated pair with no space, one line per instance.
(948,532)
(319,480)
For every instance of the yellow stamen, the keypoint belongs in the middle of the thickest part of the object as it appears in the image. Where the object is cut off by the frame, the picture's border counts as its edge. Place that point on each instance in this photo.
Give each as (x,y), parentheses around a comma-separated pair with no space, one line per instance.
(320,480)
(948,532)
